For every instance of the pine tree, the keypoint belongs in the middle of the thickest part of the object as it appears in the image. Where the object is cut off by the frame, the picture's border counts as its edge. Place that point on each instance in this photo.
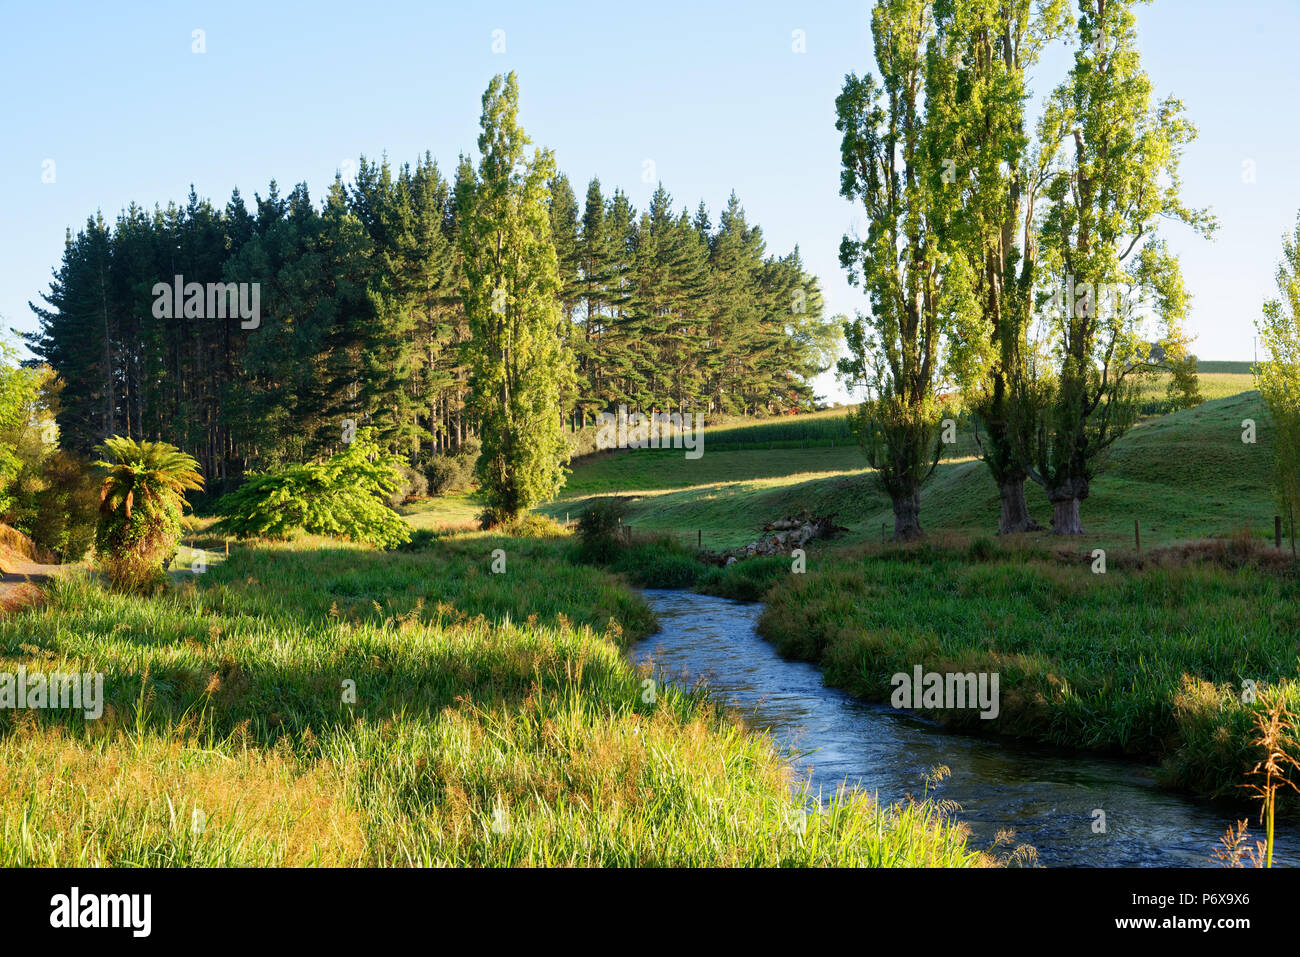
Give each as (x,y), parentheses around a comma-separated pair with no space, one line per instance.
(736,263)
(564,234)
(594,249)
(616,372)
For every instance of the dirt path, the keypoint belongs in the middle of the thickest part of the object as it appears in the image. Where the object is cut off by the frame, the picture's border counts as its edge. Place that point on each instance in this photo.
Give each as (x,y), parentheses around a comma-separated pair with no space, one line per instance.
(19,579)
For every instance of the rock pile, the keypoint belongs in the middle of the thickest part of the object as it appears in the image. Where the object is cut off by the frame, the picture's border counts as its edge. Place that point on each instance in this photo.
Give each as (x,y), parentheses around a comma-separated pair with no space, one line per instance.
(787,534)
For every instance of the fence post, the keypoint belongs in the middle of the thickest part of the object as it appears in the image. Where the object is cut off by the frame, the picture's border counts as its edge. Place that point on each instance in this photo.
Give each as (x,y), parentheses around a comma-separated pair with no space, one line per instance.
(699,538)
(1137,535)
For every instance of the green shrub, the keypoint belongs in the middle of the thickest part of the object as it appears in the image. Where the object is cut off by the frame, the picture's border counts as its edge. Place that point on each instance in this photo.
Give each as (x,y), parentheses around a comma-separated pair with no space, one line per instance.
(413,485)
(599,527)
(63,517)
(343,497)
(453,473)
(141,500)
(532,525)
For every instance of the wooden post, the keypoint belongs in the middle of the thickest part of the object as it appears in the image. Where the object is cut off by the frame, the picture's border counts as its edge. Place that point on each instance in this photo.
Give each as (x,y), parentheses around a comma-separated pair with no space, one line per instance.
(699,538)
(1277,531)
(1137,535)
(227,548)
(882,533)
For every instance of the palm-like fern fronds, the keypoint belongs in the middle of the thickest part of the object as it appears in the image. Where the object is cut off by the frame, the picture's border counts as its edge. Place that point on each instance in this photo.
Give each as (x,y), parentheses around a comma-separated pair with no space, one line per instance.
(140,504)
(152,470)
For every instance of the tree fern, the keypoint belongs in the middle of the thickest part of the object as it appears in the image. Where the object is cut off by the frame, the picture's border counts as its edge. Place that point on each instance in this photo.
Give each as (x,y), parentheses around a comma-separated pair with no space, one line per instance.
(140,504)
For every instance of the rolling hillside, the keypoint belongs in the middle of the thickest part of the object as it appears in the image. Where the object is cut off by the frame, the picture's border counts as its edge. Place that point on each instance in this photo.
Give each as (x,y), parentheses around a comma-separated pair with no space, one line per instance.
(1182,476)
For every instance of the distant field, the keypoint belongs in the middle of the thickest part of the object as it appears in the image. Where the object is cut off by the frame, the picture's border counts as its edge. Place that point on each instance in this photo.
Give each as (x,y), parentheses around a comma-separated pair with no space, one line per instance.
(830,427)
(1225,367)
(1181,476)
(1214,384)
(451,512)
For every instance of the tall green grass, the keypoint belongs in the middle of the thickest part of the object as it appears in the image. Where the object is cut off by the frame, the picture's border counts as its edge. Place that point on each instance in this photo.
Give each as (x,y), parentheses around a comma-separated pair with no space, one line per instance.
(323,704)
(1148,659)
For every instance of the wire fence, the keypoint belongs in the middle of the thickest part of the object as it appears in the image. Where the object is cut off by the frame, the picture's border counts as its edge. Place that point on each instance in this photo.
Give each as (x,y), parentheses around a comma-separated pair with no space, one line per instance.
(636,533)
(1284,534)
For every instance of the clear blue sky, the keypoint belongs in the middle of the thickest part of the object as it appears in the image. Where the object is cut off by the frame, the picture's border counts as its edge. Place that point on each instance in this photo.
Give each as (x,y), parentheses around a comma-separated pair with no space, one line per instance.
(711,92)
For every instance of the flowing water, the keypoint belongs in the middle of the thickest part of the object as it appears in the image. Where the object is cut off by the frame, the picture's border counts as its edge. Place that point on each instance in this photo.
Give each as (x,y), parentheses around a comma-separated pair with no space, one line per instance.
(1046,795)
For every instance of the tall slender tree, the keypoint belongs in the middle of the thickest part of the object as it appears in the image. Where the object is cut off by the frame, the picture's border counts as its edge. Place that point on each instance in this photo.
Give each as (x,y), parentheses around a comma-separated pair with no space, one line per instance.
(1278,377)
(892,165)
(976,91)
(1107,274)
(510,290)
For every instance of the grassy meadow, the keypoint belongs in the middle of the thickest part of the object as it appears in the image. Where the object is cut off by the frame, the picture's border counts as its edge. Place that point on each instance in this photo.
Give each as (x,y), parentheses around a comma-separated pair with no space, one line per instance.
(322,704)
(1182,476)
(318,703)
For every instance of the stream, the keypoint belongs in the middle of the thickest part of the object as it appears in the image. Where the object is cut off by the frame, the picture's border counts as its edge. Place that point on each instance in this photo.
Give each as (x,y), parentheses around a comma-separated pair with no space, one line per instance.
(1048,796)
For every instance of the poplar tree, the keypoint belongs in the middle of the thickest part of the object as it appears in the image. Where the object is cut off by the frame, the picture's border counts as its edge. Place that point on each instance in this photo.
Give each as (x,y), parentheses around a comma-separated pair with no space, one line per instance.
(1104,272)
(511,283)
(892,166)
(976,91)
(1278,377)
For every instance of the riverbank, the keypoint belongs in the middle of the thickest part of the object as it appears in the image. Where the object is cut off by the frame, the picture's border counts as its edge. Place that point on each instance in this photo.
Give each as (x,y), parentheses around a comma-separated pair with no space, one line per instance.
(325,704)
(1073,809)
(1161,657)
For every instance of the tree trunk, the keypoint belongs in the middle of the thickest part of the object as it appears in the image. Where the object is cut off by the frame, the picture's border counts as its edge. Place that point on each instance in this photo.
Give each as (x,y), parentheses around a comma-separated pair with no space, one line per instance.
(1065,497)
(907,517)
(1015,510)
(1065,516)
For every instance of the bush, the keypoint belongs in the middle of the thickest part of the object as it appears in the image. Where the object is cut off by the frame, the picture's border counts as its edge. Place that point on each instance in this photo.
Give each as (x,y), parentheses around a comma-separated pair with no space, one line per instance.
(422,539)
(344,497)
(452,473)
(63,520)
(413,485)
(531,525)
(141,500)
(662,562)
(598,531)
